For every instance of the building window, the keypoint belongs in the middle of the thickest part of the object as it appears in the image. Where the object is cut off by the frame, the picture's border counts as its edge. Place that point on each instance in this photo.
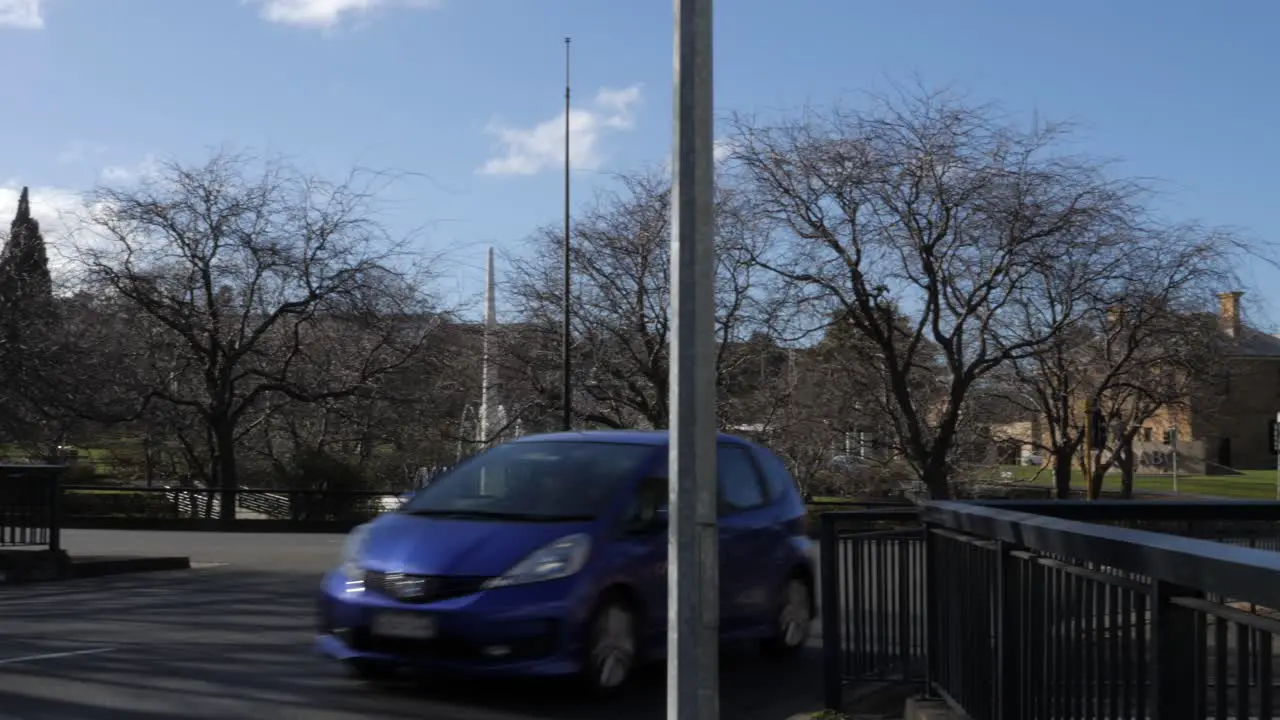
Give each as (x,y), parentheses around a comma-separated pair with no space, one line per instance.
(1146,434)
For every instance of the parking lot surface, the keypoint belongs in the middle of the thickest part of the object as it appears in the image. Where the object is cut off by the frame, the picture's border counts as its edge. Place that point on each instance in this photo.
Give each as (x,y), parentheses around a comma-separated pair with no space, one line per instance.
(232,639)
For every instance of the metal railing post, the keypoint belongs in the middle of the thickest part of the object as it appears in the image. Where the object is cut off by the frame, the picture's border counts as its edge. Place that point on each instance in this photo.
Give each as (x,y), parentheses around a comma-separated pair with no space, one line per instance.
(1009,669)
(1172,665)
(832,642)
(55,512)
(932,598)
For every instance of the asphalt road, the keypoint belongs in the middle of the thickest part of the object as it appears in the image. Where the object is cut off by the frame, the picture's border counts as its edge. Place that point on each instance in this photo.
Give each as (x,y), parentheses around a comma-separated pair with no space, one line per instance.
(231,639)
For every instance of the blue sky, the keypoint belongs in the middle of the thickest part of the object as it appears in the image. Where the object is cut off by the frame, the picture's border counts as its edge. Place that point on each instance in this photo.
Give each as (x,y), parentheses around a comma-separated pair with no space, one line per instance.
(458,92)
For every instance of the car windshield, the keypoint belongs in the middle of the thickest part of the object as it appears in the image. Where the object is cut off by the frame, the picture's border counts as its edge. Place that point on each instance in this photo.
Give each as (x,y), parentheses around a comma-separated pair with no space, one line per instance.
(535,481)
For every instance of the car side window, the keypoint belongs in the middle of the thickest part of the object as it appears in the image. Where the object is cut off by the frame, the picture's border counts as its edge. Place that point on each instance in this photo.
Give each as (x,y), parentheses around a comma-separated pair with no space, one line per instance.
(739,480)
(776,475)
(650,500)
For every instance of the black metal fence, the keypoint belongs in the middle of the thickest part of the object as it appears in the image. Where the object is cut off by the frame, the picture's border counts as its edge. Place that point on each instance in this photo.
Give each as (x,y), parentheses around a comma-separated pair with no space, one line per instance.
(138,506)
(1033,610)
(29,506)
(875,610)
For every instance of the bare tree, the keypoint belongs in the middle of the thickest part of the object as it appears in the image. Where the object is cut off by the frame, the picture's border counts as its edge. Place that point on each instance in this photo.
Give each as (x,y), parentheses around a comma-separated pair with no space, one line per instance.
(620,315)
(931,209)
(1139,340)
(238,271)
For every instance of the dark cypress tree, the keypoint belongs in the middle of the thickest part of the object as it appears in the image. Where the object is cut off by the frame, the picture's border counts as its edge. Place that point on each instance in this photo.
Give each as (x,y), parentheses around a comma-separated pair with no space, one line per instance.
(26,288)
(26,316)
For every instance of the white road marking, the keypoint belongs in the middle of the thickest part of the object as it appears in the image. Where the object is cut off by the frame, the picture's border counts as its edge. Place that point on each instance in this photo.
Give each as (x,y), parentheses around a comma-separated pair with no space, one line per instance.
(53,656)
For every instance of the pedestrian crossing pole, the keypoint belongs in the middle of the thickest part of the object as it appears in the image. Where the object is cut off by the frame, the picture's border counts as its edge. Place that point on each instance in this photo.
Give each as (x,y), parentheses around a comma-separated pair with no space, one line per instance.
(1276,441)
(1086,465)
(693,594)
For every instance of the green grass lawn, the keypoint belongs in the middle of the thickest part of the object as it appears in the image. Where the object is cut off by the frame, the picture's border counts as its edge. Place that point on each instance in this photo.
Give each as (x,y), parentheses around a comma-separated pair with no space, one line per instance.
(1251,485)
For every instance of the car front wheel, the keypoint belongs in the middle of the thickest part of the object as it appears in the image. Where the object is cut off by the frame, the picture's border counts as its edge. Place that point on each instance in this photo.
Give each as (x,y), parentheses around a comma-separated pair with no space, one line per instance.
(612,648)
(794,622)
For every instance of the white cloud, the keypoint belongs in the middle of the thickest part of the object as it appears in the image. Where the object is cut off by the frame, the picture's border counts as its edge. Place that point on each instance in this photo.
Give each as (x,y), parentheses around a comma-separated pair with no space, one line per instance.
(324,14)
(62,212)
(528,151)
(21,14)
(123,174)
(58,210)
(723,149)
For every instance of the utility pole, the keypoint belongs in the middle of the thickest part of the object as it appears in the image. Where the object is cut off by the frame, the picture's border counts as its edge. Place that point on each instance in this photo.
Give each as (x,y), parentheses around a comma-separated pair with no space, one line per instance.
(693,589)
(566,367)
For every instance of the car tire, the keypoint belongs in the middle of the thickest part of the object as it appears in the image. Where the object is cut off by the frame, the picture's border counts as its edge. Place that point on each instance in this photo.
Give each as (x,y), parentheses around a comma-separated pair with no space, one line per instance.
(371,671)
(793,623)
(612,651)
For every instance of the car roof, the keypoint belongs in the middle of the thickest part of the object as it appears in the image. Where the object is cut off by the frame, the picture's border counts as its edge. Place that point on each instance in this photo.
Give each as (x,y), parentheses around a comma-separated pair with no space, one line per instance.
(623,437)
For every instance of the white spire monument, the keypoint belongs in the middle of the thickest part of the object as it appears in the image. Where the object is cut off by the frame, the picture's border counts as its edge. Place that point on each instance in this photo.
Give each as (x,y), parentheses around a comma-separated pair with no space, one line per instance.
(488,407)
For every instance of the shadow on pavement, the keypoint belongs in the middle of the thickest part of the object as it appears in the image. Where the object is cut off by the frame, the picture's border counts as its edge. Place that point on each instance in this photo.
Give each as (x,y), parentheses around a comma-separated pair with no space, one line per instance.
(230,643)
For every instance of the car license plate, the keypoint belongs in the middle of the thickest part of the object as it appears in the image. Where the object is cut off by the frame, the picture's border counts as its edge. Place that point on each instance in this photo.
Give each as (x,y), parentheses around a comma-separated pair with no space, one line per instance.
(404,625)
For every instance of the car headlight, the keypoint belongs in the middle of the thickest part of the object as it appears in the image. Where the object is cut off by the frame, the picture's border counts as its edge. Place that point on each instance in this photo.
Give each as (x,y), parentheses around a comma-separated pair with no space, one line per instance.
(559,559)
(349,562)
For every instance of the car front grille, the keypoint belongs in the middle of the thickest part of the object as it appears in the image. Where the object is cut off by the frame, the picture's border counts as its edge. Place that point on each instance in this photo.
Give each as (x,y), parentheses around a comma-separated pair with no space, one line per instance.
(422,588)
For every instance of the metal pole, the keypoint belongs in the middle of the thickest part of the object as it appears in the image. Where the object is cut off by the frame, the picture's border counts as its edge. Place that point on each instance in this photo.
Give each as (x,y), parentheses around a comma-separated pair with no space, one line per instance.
(1088,451)
(1277,441)
(566,388)
(693,631)
(1173,440)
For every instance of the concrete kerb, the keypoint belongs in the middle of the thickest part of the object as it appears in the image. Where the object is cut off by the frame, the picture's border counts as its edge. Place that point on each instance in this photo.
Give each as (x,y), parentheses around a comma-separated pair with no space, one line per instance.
(921,709)
(20,567)
(90,567)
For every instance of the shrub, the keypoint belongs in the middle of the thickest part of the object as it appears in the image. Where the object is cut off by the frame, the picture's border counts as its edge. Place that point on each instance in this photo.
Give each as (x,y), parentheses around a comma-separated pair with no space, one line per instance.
(324,487)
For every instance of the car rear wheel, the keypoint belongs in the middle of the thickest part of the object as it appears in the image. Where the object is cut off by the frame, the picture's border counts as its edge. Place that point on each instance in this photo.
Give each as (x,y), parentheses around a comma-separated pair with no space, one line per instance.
(794,621)
(612,647)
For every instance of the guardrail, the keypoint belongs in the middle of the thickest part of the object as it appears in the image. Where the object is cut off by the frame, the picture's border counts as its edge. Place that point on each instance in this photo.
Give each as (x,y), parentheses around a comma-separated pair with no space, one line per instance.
(29,506)
(267,509)
(1057,609)
(87,506)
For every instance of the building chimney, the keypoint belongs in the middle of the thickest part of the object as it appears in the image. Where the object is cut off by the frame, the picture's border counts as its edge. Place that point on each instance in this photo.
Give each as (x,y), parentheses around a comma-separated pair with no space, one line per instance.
(1229,312)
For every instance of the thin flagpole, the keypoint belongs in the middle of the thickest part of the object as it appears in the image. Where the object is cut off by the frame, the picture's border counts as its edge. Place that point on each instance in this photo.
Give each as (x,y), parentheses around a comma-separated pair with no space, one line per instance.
(566,366)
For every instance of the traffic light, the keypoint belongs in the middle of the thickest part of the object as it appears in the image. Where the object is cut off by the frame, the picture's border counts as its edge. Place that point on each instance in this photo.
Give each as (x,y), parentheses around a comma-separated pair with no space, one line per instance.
(1274,435)
(1097,428)
(1167,438)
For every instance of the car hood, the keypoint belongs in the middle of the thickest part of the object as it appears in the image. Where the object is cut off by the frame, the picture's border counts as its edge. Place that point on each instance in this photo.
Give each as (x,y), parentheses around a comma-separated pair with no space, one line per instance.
(421,545)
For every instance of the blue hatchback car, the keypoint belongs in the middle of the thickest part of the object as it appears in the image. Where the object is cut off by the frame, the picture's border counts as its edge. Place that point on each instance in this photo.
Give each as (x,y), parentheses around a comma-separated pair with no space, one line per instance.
(547,556)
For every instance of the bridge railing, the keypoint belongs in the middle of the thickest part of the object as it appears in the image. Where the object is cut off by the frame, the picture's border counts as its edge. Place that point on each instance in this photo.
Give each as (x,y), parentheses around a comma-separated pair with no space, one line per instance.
(29,506)
(872,597)
(1058,610)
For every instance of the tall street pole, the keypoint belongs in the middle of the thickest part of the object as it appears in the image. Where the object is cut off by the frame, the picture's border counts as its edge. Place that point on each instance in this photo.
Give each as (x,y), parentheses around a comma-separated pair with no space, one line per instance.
(566,387)
(693,585)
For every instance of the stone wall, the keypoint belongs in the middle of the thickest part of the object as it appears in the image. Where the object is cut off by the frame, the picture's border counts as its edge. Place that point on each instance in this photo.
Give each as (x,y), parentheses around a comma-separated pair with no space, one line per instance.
(1156,458)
